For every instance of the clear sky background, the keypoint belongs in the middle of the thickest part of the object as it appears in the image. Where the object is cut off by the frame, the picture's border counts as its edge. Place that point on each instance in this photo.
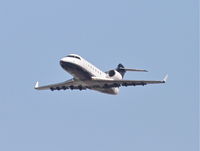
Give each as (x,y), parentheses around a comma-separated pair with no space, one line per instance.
(160,36)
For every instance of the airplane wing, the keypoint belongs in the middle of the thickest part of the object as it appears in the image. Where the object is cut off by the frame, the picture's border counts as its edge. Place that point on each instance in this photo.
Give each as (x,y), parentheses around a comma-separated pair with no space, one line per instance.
(70,84)
(95,83)
(109,83)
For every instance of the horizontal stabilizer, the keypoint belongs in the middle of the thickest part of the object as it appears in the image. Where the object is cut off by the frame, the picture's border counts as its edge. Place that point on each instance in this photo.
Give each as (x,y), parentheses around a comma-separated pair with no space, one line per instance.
(139,70)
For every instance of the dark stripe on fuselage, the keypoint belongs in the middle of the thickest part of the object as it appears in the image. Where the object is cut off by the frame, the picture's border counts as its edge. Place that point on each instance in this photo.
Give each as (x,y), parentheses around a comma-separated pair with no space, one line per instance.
(76,70)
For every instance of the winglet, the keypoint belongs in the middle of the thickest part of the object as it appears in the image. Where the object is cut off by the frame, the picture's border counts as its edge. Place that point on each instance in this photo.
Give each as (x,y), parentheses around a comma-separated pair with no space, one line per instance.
(165,78)
(36,85)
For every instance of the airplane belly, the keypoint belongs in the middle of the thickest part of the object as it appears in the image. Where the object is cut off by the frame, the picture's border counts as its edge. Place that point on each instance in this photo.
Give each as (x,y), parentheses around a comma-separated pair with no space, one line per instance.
(113,91)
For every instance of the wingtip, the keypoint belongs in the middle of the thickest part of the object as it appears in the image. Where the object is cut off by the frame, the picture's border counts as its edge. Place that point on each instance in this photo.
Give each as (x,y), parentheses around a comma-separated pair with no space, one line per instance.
(36,85)
(165,78)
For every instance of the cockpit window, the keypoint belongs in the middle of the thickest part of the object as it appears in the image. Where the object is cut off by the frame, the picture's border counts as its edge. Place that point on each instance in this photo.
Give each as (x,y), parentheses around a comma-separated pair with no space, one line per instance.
(72,56)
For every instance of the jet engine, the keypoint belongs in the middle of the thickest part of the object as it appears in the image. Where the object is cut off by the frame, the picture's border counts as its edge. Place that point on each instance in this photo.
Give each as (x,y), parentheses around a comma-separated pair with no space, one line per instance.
(114,75)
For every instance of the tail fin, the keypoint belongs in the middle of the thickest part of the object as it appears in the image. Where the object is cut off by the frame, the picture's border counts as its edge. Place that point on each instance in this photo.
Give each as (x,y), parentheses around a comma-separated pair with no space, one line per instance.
(120,69)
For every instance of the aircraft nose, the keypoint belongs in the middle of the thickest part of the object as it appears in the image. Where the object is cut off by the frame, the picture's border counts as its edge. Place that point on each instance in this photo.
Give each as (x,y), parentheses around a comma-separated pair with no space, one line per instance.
(62,61)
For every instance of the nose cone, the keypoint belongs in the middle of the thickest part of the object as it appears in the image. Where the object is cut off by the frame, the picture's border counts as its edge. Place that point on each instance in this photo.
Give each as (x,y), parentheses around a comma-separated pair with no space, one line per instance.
(63,62)
(63,59)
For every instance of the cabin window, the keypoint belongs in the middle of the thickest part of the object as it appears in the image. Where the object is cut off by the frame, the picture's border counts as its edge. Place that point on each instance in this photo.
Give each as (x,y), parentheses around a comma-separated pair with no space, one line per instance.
(72,56)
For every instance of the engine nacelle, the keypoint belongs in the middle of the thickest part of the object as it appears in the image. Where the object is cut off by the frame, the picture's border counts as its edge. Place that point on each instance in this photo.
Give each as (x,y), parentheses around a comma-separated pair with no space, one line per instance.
(114,75)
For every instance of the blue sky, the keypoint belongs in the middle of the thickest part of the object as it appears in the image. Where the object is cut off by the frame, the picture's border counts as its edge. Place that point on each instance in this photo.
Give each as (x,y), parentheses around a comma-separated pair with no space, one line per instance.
(159,36)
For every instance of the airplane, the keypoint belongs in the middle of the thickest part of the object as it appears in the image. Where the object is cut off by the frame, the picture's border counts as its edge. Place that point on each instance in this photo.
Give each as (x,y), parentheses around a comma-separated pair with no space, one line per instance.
(87,76)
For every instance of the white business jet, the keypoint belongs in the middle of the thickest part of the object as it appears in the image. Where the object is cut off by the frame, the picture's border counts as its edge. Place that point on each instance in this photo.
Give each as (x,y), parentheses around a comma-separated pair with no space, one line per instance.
(87,76)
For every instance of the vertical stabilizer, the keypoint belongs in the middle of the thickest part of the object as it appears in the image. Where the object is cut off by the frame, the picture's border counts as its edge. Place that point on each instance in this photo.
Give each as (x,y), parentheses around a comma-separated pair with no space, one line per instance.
(120,68)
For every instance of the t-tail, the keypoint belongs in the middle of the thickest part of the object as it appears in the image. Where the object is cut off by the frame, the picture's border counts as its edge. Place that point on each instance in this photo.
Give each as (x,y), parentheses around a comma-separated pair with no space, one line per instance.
(122,70)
